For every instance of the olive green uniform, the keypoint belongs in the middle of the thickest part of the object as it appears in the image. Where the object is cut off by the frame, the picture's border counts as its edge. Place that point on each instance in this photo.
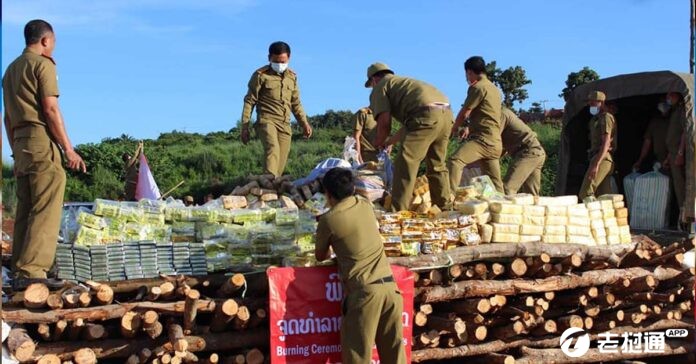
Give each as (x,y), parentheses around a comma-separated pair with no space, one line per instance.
(656,132)
(275,96)
(424,111)
(484,144)
(528,156)
(38,164)
(600,124)
(675,130)
(365,123)
(373,305)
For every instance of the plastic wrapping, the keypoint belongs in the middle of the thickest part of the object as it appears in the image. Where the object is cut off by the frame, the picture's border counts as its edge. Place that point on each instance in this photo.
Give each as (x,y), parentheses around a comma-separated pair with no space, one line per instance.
(106,208)
(650,205)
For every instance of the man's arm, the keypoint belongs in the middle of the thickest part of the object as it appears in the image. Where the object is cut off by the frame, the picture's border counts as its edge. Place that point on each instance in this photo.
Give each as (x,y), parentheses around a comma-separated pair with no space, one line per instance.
(383,129)
(250,100)
(356,135)
(606,144)
(679,159)
(323,236)
(461,118)
(395,138)
(56,126)
(298,111)
(647,144)
(10,132)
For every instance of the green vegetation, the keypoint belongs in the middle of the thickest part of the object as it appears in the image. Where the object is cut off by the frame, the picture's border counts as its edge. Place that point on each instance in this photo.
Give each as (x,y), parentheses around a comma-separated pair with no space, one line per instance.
(217,162)
(511,82)
(575,79)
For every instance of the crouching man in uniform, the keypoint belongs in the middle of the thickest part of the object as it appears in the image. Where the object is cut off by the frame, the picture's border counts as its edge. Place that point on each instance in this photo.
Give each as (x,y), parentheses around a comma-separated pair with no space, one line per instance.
(373,306)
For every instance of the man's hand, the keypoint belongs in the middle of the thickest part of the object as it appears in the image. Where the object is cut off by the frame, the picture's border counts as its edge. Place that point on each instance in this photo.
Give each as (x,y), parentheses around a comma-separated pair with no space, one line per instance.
(75,162)
(307,130)
(245,134)
(592,172)
(464,133)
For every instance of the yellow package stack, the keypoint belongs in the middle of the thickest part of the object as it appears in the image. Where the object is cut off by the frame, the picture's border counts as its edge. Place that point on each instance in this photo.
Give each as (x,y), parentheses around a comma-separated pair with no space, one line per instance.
(621,216)
(507,218)
(556,220)
(579,229)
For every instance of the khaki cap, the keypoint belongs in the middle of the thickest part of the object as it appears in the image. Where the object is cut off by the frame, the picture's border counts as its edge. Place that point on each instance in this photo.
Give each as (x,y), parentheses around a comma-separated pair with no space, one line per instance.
(188,198)
(374,69)
(596,96)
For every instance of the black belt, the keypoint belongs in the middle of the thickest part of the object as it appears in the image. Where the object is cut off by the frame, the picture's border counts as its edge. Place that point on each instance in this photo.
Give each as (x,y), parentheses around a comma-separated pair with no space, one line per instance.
(384,280)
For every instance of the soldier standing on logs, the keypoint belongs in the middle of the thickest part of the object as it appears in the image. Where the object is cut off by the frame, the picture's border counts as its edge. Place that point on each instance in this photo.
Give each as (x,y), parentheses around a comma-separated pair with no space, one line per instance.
(39,142)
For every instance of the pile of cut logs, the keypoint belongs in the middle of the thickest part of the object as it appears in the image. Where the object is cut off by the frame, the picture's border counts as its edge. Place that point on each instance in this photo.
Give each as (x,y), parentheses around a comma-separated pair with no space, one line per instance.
(504,303)
(212,319)
(269,188)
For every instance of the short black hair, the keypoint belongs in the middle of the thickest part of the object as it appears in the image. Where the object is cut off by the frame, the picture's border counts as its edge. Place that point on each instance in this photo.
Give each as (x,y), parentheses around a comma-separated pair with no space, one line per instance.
(277,48)
(475,64)
(35,30)
(339,183)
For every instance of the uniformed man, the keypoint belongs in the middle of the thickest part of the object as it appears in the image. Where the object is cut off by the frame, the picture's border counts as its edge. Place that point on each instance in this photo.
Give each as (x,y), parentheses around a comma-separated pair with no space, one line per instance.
(364,133)
(273,90)
(482,108)
(676,145)
(603,142)
(373,305)
(528,156)
(130,172)
(655,136)
(188,200)
(37,135)
(425,113)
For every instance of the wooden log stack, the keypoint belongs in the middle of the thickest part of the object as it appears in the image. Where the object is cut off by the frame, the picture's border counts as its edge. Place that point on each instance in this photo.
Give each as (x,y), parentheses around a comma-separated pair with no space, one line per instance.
(513,306)
(165,320)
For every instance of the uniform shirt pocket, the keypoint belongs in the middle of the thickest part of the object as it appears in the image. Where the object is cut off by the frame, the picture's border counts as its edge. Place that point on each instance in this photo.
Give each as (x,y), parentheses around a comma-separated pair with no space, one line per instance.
(272,88)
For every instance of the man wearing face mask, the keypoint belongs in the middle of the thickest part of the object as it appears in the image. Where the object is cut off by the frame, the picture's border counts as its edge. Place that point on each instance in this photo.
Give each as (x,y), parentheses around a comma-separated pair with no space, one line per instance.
(676,145)
(425,113)
(655,136)
(597,180)
(37,136)
(482,112)
(274,92)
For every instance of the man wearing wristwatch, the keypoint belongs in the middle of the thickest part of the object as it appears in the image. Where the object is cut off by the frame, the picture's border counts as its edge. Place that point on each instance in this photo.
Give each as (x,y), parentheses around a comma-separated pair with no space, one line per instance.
(274,92)
(676,145)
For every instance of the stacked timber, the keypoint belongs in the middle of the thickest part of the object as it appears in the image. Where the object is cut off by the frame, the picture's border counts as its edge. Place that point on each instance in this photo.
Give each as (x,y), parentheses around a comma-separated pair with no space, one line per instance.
(261,189)
(212,319)
(512,302)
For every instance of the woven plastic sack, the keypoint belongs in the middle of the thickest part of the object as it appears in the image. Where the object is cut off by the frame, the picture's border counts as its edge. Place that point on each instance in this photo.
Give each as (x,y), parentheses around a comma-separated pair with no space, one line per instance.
(650,205)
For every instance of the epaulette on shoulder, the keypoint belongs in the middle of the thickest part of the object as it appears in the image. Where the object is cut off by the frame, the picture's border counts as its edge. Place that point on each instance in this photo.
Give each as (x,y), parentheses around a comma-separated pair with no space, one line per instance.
(291,72)
(263,69)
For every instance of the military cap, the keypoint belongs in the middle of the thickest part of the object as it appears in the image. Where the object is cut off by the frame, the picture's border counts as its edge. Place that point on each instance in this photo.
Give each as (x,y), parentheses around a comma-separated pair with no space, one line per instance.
(596,96)
(374,69)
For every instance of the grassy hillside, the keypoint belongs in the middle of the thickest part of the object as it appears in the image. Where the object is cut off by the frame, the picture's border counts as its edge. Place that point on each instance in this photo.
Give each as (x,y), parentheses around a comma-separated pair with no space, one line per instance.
(217,162)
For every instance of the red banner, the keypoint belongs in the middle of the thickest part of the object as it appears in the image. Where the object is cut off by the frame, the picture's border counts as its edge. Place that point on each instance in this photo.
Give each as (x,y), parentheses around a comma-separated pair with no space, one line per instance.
(305,315)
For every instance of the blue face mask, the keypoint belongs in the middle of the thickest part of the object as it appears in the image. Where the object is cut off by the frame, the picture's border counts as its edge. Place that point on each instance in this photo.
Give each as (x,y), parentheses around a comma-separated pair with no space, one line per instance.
(594,110)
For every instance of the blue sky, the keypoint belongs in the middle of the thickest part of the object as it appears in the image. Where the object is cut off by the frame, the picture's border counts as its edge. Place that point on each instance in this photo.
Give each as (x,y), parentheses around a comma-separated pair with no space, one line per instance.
(142,67)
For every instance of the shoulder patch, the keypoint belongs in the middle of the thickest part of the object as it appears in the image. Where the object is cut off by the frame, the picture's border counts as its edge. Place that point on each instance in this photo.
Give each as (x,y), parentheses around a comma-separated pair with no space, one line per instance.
(263,69)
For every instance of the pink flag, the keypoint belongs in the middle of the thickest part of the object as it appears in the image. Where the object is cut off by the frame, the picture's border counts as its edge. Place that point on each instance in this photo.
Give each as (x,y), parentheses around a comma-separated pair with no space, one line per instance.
(147,187)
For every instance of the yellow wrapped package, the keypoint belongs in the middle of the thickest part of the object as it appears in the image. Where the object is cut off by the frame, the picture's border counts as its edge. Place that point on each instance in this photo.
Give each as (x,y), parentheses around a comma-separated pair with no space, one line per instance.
(532,210)
(555,230)
(579,221)
(594,205)
(505,228)
(611,221)
(556,220)
(622,221)
(486,232)
(620,204)
(505,208)
(611,197)
(531,229)
(473,207)
(599,232)
(505,238)
(533,220)
(87,236)
(554,210)
(613,240)
(553,239)
(576,239)
(621,213)
(529,238)
(524,199)
(578,211)
(506,219)
(579,230)
(596,214)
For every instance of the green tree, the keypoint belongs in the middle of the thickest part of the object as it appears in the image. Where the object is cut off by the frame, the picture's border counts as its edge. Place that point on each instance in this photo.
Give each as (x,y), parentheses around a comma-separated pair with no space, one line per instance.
(511,82)
(536,108)
(575,79)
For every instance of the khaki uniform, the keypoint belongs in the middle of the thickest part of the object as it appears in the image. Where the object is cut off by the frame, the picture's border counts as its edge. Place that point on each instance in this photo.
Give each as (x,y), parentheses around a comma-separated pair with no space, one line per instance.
(38,163)
(365,123)
(675,130)
(484,144)
(528,156)
(600,124)
(424,112)
(372,307)
(656,132)
(275,97)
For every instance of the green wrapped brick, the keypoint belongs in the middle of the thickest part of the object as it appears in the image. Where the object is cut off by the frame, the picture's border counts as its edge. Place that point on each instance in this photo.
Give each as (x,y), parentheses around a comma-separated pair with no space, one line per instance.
(106,208)
(87,236)
(91,221)
(287,216)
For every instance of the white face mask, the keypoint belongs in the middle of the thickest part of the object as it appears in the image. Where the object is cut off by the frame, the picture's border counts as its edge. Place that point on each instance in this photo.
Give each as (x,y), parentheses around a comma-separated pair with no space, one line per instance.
(594,110)
(279,67)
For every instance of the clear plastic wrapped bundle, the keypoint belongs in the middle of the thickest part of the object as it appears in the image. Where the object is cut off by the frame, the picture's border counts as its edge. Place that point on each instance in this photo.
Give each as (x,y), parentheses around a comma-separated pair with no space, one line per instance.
(89,220)
(106,208)
(87,236)
(287,216)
